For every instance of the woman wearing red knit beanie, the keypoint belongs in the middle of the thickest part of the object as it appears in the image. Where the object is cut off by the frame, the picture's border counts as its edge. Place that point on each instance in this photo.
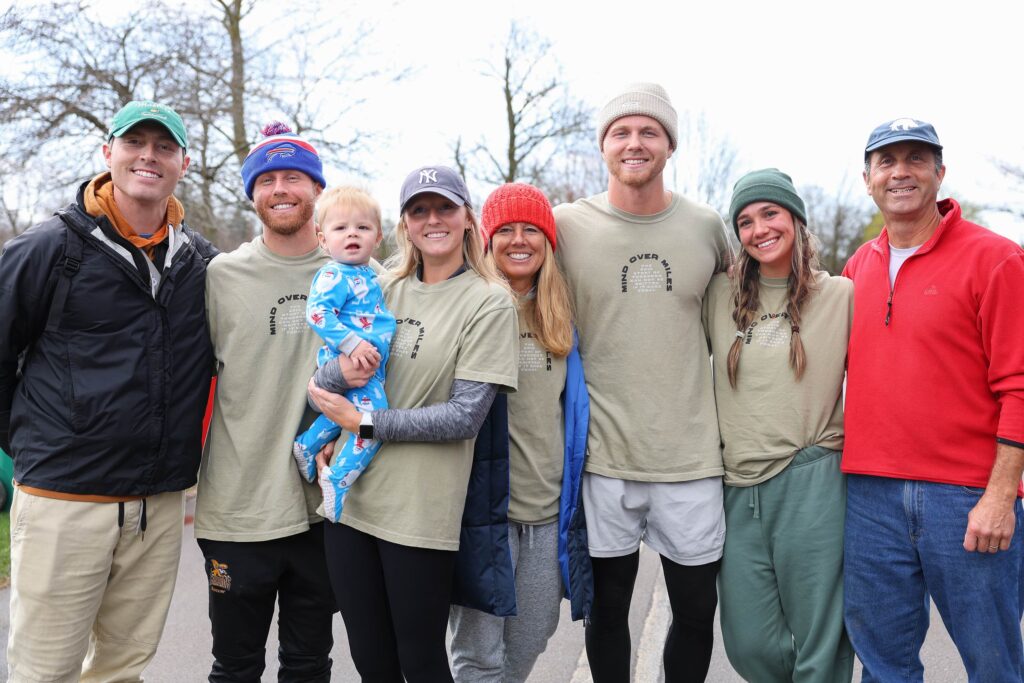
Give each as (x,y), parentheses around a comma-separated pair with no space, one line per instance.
(547,418)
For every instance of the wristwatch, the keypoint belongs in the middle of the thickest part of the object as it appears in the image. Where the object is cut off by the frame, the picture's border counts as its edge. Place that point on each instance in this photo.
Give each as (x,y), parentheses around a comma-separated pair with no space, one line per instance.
(366,426)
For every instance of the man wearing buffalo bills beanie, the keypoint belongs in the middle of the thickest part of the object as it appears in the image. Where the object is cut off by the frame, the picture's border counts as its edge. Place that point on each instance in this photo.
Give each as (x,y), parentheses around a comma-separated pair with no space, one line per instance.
(256,519)
(281,150)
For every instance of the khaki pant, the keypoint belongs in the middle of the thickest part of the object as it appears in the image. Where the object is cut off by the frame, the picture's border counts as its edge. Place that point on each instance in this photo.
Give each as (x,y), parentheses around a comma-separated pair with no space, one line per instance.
(84,588)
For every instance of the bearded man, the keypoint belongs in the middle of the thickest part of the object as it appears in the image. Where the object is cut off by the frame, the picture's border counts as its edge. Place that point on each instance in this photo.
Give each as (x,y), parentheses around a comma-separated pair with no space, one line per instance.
(256,518)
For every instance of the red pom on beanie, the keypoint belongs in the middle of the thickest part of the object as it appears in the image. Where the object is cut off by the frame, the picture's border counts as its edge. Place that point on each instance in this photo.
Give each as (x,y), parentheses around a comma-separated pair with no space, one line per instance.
(518,203)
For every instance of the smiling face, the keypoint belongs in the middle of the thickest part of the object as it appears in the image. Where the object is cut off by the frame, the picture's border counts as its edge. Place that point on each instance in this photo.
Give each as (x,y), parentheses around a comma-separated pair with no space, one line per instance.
(284,200)
(436,227)
(145,164)
(519,253)
(635,149)
(349,234)
(767,233)
(903,180)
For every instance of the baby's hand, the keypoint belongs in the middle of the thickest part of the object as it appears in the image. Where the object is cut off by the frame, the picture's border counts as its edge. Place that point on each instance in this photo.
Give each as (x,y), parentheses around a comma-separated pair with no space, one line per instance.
(365,356)
(323,457)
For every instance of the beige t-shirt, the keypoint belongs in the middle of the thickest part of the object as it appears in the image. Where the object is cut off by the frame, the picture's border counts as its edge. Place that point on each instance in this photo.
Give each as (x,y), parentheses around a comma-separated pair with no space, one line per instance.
(638,283)
(463,328)
(249,487)
(536,432)
(770,416)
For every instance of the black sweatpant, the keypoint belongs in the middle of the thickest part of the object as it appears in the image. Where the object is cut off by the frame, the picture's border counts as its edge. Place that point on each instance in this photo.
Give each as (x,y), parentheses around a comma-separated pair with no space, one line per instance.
(693,596)
(394,600)
(246,579)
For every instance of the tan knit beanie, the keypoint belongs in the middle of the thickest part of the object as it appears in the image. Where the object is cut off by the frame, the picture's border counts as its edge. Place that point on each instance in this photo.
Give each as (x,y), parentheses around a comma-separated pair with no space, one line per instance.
(644,99)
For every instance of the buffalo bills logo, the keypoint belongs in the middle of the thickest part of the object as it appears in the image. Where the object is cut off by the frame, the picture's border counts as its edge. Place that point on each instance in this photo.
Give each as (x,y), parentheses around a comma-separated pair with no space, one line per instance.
(284,151)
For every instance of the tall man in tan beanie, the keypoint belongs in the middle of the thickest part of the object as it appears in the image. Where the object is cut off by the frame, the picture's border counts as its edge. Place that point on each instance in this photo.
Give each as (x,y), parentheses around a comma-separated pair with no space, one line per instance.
(638,259)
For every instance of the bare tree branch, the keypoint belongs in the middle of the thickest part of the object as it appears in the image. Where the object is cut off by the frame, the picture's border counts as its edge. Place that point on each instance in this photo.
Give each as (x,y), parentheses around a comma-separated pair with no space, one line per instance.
(214,64)
(544,124)
(1015,174)
(838,220)
(706,161)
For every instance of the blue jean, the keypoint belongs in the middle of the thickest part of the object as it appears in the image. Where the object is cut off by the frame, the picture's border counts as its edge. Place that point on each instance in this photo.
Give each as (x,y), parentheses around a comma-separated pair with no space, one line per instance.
(904,543)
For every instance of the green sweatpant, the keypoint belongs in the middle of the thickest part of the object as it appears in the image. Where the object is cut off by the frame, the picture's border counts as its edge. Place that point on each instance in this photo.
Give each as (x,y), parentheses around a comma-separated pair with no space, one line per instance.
(781,583)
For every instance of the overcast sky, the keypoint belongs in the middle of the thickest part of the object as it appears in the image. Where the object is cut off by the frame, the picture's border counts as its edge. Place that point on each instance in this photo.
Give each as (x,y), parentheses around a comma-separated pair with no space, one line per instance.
(793,84)
(797,85)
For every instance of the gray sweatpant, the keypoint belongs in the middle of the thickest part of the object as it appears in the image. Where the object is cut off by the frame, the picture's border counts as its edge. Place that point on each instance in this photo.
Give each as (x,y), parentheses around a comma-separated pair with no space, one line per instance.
(504,649)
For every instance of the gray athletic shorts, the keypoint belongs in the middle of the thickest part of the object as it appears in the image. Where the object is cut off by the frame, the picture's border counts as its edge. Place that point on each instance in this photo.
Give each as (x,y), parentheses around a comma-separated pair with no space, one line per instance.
(683,521)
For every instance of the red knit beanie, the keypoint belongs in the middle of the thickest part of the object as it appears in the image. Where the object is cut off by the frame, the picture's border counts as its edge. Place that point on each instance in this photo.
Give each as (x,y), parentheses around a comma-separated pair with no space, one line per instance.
(518,203)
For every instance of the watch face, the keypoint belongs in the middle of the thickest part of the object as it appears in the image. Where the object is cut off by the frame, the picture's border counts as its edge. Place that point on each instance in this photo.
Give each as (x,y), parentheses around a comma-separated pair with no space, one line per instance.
(366,431)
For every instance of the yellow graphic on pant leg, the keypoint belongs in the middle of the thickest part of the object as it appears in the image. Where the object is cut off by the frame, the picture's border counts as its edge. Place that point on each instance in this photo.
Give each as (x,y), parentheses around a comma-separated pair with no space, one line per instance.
(220,580)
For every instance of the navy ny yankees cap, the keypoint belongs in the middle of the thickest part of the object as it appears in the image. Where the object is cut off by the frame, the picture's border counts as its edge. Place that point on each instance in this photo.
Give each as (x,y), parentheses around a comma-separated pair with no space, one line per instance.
(902,130)
(437,179)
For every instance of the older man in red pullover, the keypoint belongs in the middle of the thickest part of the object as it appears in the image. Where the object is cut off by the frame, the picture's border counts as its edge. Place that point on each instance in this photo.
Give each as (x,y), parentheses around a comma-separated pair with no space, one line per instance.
(934,424)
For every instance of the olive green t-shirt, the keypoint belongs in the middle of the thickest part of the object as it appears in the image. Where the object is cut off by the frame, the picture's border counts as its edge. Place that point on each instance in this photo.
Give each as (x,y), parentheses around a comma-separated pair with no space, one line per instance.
(536,432)
(770,415)
(463,328)
(638,284)
(249,486)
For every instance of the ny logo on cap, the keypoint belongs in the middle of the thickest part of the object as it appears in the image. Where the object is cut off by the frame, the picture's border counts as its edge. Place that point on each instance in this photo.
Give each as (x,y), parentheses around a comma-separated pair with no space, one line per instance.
(903,124)
(428,175)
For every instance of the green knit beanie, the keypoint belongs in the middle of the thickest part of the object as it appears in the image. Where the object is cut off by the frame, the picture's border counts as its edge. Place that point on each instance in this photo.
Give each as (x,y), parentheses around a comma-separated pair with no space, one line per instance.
(766,185)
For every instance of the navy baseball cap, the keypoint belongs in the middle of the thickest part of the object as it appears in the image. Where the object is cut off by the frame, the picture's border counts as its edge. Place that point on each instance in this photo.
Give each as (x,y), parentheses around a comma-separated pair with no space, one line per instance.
(437,179)
(902,130)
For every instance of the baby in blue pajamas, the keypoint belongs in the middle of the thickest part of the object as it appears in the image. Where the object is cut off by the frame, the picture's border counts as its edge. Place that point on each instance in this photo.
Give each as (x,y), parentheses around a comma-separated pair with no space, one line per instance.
(346,308)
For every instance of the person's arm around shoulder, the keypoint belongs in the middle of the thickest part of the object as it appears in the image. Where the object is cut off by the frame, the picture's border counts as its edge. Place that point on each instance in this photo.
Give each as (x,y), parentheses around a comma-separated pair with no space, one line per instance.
(720,286)
(204,247)
(843,297)
(724,246)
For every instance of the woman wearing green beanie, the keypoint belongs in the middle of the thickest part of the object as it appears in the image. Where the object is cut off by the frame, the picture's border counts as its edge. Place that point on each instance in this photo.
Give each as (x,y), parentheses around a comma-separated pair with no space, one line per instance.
(778,331)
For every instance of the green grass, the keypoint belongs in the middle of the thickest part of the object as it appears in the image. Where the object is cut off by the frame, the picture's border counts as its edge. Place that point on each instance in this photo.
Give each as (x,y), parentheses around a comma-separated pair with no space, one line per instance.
(5,548)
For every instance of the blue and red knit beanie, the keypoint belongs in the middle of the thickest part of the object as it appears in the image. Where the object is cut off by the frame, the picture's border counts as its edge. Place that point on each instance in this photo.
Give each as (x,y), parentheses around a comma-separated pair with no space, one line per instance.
(281,150)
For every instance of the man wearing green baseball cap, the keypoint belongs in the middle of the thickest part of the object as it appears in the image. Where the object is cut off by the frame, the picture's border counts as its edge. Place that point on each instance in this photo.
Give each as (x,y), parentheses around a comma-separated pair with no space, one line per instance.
(105,363)
(138,111)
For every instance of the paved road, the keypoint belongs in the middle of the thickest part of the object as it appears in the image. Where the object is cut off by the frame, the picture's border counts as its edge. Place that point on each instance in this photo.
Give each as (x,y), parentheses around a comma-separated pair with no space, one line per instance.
(184,652)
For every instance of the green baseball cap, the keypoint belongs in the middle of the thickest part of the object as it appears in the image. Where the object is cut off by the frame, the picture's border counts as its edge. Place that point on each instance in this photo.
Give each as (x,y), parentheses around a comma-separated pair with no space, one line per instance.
(147,110)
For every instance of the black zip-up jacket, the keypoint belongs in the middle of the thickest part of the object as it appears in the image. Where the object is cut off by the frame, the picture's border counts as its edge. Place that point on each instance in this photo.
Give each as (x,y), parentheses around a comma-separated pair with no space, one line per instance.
(111,402)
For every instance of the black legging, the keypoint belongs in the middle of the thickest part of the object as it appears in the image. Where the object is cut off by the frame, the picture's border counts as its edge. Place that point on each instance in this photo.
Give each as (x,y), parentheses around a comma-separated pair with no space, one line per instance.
(394,600)
(693,596)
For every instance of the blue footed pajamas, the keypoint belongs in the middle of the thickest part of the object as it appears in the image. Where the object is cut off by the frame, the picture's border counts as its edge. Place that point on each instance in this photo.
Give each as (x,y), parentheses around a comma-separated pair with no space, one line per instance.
(345,307)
